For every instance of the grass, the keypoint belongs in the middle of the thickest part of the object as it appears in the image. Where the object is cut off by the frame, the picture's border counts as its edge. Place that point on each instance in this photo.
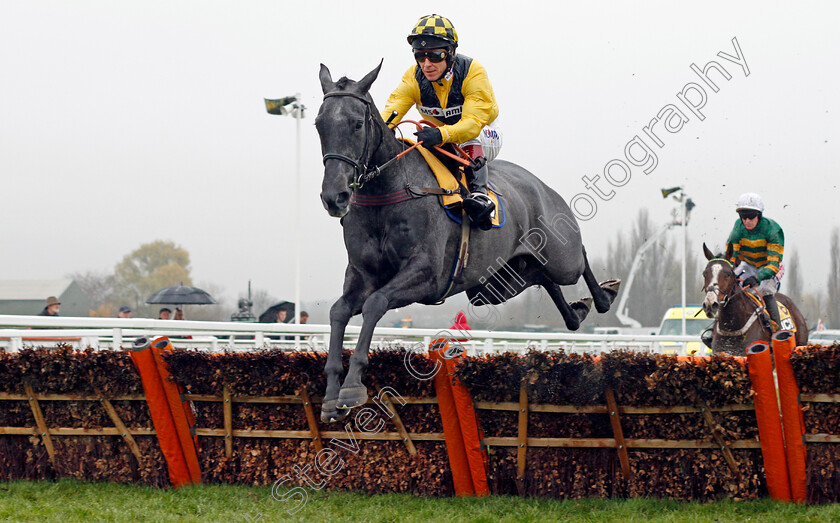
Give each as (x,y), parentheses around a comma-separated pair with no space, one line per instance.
(68,501)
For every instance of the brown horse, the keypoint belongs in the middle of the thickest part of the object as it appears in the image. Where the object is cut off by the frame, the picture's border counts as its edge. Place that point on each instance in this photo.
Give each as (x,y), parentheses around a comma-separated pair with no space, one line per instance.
(738,311)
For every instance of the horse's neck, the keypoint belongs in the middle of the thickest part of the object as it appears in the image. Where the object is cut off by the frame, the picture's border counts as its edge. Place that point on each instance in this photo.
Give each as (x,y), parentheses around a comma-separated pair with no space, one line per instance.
(405,170)
(736,312)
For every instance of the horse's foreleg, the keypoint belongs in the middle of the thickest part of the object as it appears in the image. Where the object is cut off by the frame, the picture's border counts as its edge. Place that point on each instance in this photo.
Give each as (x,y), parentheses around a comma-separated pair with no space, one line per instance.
(342,310)
(340,315)
(409,286)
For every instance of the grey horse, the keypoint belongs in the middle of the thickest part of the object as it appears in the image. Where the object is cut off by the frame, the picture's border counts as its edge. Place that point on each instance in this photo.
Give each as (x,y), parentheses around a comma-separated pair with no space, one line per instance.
(402,247)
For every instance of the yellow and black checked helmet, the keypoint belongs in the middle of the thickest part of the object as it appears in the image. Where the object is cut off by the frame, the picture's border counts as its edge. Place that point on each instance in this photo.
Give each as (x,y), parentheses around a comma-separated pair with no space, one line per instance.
(433,31)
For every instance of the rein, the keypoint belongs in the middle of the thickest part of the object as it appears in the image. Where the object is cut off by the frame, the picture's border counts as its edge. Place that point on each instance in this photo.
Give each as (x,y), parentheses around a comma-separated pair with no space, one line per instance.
(363,173)
(727,297)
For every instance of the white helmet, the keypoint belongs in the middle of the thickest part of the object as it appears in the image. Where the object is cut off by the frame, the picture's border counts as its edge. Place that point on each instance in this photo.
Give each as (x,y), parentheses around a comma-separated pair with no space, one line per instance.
(750,201)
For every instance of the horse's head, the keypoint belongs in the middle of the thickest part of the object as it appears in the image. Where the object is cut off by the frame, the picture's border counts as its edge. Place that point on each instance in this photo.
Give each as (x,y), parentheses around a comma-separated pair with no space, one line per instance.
(719,281)
(347,125)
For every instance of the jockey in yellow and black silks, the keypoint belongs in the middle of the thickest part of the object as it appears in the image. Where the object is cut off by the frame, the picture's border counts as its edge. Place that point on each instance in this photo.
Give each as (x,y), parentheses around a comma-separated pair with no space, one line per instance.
(454,92)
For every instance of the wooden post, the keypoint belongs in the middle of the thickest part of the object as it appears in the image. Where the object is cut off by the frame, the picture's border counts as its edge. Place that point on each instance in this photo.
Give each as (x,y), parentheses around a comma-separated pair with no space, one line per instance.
(124,432)
(620,444)
(724,445)
(228,420)
(39,421)
(398,423)
(522,439)
(311,419)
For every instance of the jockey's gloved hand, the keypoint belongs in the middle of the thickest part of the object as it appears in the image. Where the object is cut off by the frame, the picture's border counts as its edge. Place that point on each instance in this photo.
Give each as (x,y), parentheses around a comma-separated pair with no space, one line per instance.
(752,281)
(430,136)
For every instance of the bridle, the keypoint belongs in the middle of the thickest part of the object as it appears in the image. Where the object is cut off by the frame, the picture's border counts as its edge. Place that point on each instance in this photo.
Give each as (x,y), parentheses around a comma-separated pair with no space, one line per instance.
(723,296)
(361,172)
(723,299)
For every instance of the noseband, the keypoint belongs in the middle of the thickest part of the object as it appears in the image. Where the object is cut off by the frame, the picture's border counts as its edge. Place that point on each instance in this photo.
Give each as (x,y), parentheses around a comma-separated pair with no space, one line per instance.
(727,294)
(361,172)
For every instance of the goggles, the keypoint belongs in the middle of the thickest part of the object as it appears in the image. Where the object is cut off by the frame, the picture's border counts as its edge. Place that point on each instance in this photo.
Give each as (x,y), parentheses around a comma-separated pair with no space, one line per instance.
(434,56)
(748,215)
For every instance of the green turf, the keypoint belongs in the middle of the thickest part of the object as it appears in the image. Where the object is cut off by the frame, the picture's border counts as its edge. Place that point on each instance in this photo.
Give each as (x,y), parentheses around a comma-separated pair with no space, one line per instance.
(68,501)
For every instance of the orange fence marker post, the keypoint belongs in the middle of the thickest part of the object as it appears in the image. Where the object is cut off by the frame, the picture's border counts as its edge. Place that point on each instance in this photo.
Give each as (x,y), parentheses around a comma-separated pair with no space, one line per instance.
(767,418)
(458,463)
(792,420)
(171,416)
(470,431)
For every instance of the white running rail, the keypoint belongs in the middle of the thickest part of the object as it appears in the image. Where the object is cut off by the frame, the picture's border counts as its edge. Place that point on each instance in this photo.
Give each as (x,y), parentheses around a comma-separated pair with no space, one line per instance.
(17,332)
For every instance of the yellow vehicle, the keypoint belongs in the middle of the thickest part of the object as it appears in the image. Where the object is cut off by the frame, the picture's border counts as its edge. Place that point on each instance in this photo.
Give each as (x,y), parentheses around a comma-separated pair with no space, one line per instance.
(695,323)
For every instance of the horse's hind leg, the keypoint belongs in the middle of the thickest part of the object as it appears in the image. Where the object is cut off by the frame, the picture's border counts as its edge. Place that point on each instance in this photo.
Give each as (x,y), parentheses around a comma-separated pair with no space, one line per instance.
(602,293)
(573,313)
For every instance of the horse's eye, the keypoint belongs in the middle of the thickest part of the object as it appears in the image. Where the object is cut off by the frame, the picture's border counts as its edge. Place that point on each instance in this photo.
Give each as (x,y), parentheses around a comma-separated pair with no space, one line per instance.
(359,124)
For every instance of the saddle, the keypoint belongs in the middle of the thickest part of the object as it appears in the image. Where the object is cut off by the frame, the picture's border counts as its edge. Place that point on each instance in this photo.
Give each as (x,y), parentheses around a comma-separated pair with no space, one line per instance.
(453,184)
(786,322)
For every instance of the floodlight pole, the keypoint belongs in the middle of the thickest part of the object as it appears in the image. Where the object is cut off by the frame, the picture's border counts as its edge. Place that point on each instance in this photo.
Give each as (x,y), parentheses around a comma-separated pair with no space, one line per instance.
(298,115)
(292,106)
(684,242)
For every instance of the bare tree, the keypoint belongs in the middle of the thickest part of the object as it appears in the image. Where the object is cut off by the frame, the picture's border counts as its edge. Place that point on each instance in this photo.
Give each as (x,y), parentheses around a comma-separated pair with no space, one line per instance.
(833,290)
(793,278)
(99,287)
(657,284)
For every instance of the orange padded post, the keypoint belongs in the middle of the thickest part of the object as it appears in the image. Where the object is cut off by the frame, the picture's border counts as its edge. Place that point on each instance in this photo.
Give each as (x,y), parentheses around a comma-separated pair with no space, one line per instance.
(181,409)
(470,430)
(769,424)
(181,470)
(792,420)
(458,462)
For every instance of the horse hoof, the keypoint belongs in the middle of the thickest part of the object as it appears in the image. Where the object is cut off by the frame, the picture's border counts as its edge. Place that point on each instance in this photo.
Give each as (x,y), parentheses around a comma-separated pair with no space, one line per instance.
(352,397)
(329,412)
(581,309)
(610,288)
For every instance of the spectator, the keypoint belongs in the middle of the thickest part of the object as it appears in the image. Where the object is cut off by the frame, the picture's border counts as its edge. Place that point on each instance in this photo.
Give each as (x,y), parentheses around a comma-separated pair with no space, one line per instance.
(461,324)
(165,314)
(179,313)
(51,308)
(304,317)
(124,312)
(281,316)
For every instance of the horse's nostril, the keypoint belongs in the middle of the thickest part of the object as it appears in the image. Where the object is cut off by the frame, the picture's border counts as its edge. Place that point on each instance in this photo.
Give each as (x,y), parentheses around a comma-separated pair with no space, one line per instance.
(342,199)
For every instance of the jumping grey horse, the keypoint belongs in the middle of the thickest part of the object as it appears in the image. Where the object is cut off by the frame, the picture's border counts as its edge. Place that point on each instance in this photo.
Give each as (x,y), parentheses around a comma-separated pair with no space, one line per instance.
(402,247)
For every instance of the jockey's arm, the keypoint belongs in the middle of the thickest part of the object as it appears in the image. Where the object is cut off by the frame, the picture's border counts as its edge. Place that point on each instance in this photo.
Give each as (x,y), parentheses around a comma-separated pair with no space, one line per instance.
(775,251)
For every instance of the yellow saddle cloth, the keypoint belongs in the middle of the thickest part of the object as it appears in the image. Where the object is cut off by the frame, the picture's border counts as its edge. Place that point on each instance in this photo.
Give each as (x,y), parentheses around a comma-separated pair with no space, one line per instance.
(785,321)
(446,180)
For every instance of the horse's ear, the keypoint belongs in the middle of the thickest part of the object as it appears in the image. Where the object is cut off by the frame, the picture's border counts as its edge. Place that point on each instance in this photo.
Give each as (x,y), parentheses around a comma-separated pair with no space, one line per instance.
(326,79)
(365,83)
(728,254)
(707,252)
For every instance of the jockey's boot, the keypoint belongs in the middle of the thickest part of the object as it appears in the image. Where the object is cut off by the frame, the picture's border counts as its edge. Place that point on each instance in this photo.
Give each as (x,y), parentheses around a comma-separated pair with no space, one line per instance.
(706,337)
(480,208)
(772,310)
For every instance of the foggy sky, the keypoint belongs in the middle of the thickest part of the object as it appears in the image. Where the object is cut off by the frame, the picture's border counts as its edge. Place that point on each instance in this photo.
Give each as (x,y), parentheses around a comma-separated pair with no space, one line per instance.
(126,122)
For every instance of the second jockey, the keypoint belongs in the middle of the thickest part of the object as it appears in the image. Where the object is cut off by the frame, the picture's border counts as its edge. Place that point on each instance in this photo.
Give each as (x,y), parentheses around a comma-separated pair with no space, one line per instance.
(454,92)
(757,244)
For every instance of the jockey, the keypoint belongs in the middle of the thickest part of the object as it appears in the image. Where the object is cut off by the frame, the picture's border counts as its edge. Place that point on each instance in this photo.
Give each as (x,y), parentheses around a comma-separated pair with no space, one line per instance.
(453,91)
(757,244)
